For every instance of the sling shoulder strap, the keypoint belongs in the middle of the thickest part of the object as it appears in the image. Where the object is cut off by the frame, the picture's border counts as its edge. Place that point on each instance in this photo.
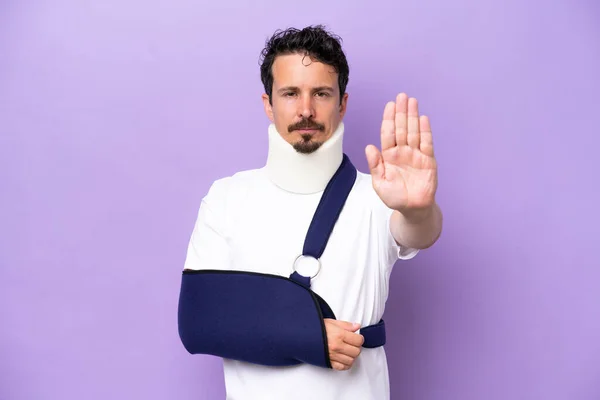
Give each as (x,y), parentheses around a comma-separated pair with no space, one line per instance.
(328,211)
(324,219)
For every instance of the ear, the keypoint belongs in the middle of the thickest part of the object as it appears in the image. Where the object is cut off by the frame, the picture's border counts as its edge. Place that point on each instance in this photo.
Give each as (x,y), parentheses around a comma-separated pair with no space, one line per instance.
(268,107)
(343,105)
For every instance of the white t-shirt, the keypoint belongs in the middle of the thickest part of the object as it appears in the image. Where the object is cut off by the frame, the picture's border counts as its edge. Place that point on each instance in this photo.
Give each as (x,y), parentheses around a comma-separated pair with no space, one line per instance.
(247,223)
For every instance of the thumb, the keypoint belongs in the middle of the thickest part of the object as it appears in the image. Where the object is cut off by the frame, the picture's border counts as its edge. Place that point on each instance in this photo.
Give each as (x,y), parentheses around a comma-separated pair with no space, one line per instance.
(375,161)
(349,326)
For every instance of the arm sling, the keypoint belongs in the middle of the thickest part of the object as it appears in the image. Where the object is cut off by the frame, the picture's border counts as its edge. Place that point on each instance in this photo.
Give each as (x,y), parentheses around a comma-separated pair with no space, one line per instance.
(268,319)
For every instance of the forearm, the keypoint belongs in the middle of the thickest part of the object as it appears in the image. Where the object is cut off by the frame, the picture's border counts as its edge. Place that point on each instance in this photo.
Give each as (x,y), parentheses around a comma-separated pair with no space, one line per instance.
(418,230)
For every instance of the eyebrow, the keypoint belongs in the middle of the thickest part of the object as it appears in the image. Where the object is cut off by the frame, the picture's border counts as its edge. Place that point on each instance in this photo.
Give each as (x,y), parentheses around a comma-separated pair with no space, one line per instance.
(295,89)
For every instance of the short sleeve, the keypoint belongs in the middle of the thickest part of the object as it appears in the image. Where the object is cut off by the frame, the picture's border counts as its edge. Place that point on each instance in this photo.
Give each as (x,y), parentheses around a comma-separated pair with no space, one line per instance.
(390,250)
(208,247)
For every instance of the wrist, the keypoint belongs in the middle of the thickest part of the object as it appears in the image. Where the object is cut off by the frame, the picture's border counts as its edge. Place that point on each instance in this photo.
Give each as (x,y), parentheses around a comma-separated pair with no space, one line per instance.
(416,216)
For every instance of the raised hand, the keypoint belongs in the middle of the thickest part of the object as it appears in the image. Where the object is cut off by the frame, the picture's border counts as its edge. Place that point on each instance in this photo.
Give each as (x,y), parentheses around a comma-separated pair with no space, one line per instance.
(404,172)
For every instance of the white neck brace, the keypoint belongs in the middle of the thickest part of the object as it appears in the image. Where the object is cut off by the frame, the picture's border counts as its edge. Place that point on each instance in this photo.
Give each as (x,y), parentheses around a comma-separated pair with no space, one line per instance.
(303,173)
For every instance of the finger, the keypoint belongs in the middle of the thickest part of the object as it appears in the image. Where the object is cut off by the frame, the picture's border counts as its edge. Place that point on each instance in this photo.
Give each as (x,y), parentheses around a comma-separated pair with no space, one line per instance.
(342,359)
(337,345)
(348,326)
(338,366)
(426,145)
(375,161)
(354,339)
(388,133)
(349,350)
(413,137)
(401,123)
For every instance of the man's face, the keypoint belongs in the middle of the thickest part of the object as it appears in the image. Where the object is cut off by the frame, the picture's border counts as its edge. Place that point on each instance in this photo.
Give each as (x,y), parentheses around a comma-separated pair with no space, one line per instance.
(306,107)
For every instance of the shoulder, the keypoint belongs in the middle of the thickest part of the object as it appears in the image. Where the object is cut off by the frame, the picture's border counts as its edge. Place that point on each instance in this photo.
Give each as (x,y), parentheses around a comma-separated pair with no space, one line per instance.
(219,205)
(363,187)
(229,187)
(364,180)
(368,199)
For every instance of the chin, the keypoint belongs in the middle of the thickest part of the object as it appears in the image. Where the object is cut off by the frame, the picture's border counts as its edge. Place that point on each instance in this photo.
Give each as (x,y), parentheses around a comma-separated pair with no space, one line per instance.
(307,147)
(302,148)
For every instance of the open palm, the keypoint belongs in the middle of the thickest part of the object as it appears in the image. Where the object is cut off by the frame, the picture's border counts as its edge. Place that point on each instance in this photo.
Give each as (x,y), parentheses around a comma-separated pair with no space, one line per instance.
(404,172)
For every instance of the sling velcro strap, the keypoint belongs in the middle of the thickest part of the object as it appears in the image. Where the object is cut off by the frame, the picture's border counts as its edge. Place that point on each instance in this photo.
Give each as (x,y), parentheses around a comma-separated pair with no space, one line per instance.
(374,335)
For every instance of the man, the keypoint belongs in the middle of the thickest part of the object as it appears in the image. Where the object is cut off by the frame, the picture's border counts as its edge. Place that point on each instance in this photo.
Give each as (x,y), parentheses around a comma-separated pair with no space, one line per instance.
(257,220)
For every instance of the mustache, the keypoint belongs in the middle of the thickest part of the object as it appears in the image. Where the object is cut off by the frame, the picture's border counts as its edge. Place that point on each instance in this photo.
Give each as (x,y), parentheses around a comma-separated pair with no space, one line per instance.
(306,124)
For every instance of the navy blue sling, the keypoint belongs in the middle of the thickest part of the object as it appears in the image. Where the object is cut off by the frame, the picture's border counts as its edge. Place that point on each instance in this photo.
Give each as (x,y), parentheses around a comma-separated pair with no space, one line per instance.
(263,318)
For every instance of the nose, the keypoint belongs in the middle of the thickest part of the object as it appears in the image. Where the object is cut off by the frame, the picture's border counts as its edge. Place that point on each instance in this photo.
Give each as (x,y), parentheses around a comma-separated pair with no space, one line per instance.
(306,108)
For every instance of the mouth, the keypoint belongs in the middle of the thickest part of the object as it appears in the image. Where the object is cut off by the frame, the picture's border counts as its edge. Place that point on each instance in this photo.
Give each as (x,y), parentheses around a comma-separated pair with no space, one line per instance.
(306,127)
(308,130)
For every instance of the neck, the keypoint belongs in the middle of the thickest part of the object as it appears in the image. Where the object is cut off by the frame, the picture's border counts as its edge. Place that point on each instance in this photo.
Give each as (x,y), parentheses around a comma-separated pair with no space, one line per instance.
(303,173)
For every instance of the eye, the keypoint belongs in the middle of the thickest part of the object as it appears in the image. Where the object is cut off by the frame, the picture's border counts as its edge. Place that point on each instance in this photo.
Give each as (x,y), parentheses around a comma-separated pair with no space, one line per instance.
(289,94)
(322,94)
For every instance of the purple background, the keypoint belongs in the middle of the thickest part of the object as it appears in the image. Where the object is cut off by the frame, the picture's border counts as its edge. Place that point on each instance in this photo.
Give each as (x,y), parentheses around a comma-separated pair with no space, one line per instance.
(116,116)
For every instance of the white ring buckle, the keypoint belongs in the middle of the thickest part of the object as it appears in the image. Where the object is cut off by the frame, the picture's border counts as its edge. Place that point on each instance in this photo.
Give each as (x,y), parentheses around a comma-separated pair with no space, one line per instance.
(307,263)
